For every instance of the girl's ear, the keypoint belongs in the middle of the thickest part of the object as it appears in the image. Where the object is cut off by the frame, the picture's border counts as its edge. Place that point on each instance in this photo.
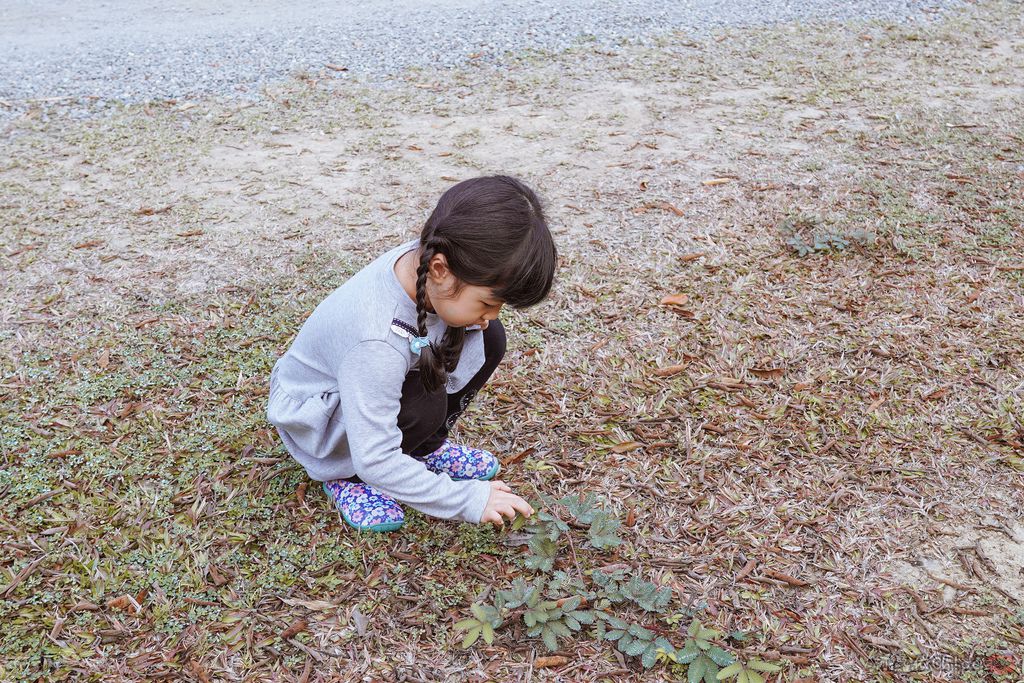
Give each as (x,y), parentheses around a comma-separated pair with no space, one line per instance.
(438,268)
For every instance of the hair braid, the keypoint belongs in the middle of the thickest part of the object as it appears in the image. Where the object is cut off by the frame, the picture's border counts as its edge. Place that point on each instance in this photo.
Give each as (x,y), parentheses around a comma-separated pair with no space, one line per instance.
(421,290)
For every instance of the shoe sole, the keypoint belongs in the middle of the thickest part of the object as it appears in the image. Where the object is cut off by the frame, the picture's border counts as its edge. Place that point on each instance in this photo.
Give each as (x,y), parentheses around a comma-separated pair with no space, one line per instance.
(376,528)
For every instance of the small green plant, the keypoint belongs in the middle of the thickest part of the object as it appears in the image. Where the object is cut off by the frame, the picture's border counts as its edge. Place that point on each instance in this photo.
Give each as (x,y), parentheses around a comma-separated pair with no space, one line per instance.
(556,604)
(805,235)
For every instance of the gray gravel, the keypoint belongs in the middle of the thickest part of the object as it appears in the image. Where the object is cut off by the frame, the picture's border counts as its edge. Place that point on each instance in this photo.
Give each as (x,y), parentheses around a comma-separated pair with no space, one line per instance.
(93,52)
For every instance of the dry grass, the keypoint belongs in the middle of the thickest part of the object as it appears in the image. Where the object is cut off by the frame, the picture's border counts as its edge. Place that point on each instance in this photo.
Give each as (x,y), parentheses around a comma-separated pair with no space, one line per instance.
(850,418)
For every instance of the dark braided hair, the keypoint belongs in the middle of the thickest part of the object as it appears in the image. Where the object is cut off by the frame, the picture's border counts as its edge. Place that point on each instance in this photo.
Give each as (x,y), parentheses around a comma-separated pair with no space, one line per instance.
(492,233)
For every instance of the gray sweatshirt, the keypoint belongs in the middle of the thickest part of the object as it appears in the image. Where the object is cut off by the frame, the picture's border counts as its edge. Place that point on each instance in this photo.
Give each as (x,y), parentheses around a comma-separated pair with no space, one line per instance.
(336,392)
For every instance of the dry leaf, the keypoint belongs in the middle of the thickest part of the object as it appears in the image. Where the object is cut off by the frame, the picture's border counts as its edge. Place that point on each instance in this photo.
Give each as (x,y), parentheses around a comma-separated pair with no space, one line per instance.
(104,359)
(547,662)
(123,603)
(315,605)
(218,578)
(717,181)
(190,233)
(149,211)
(88,245)
(675,300)
(360,621)
(626,446)
(670,370)
(336,67)
(199,671)
(562,601)
(297,627)
(519,456)
(664,206)
(686,258)
(631,517)
(773,373)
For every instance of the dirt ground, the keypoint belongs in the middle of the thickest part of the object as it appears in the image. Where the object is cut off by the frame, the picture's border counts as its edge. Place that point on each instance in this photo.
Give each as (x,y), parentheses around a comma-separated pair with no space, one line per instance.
(851,417)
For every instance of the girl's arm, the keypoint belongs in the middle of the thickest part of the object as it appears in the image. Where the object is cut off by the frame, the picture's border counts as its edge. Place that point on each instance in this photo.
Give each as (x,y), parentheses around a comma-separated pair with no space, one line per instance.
(370,378)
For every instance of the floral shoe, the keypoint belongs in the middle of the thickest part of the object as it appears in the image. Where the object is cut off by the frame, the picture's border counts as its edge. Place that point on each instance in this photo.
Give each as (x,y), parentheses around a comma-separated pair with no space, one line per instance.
(462,462)
(364,507)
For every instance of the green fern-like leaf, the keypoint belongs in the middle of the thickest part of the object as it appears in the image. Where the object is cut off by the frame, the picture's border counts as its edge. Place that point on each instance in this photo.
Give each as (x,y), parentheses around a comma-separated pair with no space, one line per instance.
(758,665)
(650,656)
(516,595)
(636,648)
(689,653)
(720,656)
(583,616)
(695,672)
(603,531)
(544,552)
(583,510)
(549,638)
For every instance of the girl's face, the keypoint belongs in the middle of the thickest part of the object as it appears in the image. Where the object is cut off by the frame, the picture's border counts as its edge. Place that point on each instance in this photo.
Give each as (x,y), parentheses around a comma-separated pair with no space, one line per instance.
(472,305)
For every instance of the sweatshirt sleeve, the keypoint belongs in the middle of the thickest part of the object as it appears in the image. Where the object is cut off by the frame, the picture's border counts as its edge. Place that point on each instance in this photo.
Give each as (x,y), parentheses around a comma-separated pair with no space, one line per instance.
(370,379)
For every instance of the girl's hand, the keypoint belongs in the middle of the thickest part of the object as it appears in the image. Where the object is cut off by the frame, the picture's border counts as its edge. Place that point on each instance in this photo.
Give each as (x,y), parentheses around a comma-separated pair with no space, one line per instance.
(503,502)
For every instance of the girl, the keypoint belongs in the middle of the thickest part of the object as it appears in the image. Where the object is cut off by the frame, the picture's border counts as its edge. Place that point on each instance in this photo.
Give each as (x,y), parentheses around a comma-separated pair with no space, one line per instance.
(384,366)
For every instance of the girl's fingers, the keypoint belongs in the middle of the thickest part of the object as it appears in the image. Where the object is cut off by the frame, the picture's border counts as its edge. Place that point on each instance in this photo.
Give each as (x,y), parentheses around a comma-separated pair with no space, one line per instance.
(523,507)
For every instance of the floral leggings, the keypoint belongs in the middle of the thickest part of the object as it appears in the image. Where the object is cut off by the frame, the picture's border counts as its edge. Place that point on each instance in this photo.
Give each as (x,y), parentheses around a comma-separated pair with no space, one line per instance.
(425,418)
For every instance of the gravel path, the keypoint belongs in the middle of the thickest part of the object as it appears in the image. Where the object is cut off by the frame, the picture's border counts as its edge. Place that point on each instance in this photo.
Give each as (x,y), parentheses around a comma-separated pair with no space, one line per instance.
(148,49)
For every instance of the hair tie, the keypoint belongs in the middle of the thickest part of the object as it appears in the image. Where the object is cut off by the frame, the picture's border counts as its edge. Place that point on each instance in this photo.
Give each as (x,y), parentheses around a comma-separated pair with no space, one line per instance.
(417,343)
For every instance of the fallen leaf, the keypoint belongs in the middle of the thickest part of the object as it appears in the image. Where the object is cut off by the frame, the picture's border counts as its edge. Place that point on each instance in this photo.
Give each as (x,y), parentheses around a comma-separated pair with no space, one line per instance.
(773,373)
(717,181)
(360,621)
(199,671)
(669,370)
(519,456)
(88,245)
(149,211)
(631,517)
(686,258)
(218,578)
(123,603)
(548,662)
(675,300)
(315,605)
(297,627)
(626,446)
(336,67)
(104,359)
(190,233)
(664,206)
(562,601)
